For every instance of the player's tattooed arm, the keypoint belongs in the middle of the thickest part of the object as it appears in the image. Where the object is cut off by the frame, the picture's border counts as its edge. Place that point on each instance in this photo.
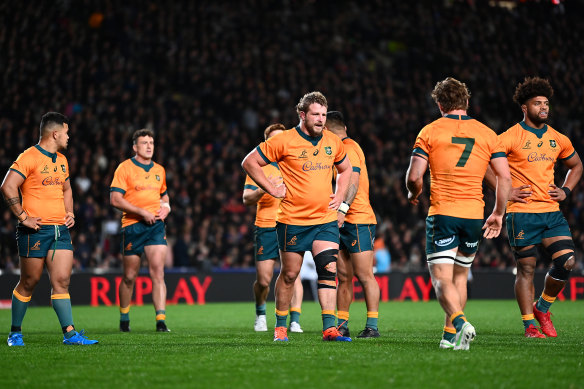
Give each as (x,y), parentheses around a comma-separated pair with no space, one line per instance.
(11,201)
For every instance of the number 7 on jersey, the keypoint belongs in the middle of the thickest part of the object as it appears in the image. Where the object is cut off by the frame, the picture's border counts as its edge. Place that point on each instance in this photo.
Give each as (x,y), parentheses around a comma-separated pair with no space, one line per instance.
(468,145)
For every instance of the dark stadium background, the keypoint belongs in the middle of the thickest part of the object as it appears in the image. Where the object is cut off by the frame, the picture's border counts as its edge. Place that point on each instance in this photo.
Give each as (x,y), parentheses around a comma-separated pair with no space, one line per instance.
(209,76)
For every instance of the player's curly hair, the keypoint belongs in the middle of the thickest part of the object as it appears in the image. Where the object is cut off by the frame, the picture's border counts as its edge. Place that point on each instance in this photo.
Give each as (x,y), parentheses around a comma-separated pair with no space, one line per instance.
(142,132)
(273,127)
(310,98)
(532,87)
(451,94)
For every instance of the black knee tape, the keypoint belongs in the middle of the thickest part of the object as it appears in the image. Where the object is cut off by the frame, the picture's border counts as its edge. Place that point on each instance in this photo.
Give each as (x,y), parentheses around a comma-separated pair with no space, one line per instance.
(529,253)
(558,271)
(564,244)
(321,260)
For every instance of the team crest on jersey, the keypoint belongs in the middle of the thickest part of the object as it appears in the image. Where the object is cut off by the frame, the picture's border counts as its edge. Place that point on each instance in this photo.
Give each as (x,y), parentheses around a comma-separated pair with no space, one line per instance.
(157,177)
(520,235)
(303,154)
(328,150)
(527,145)
(128,247)
(63,168)
(45,170)
(553,143)
(540,143)
(261,250)
(36,246)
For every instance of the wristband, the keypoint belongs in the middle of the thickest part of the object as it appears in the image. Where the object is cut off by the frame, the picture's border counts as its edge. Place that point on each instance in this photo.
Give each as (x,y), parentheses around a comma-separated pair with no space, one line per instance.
(167,205)
(343,208)
(566,190)
(25,217)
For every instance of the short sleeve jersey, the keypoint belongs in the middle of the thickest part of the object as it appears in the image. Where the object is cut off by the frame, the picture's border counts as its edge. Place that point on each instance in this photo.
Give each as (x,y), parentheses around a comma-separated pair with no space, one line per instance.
(532,154)
(42,190)
(360,211)
(142,185)
(458,149)
(307,165)
(267,206)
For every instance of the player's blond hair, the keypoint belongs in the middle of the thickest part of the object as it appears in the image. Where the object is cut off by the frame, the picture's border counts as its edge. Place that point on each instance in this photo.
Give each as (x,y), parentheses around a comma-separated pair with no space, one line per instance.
(451,94)
(273,127)
(310,98)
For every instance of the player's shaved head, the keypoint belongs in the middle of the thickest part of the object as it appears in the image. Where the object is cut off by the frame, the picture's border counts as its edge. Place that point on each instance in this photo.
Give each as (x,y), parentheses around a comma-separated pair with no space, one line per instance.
(50,120)
(335,121)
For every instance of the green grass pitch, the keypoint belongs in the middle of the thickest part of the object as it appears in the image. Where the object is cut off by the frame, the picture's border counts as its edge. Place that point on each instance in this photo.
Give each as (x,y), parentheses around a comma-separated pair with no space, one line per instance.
(214,346)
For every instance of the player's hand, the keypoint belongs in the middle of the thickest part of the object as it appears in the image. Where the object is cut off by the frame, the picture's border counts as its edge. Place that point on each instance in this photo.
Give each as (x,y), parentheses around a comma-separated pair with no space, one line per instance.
(520,194)
(335,203)
(69,220)
(162,213)
(493,226)
(148,217)
(340,219)
(557,193)
(413,199)
(32,222)
(279,191)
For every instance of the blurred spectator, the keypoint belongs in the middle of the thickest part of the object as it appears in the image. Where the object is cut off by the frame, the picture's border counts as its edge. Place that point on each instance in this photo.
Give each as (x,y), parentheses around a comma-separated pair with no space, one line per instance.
(207,77)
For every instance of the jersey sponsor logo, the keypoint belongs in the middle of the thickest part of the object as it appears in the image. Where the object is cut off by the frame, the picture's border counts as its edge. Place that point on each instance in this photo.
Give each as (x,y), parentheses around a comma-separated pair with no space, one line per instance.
(540,143)
(315,152)
(527,145)
(45,170)
(261,250)
(145,187)
(36,246)
(328,150)
(471,244)
(303,154)
(520,235)
(353,243)
(553,143)
(309,166)
(55,169)
(537,157)
(63,169)
(49,181)
(292,242)
(444,242)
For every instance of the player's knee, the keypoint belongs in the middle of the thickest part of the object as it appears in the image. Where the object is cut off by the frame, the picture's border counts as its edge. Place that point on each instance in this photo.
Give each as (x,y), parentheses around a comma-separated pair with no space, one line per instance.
(29,282)
(562,266)
(263,281)
(289,276)
(129,279)
(326,268)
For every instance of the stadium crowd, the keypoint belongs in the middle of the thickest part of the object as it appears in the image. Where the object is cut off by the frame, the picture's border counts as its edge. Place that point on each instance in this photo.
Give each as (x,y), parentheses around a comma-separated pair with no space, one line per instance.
(208,77)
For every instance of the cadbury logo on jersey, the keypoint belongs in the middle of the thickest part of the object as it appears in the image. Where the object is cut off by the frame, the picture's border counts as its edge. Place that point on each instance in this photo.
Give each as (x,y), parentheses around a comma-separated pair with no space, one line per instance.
(537,157)
(309,166)
(52,181)
(145,187)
